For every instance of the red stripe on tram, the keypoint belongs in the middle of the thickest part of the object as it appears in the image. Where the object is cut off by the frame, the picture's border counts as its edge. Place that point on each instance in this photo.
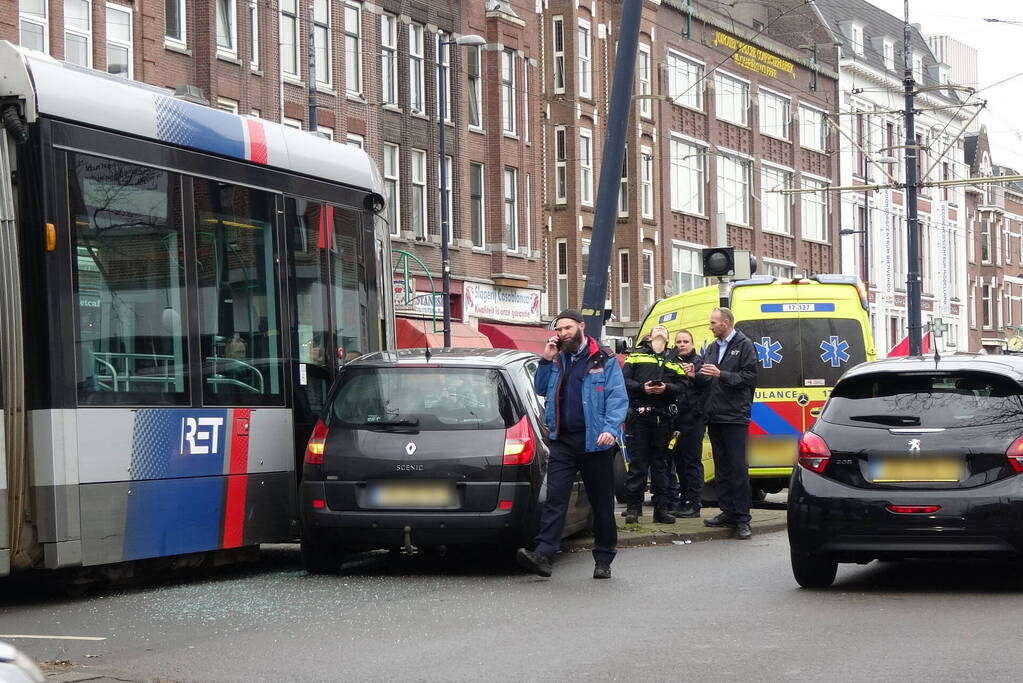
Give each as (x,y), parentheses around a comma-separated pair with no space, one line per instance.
(237,479)
(257,141)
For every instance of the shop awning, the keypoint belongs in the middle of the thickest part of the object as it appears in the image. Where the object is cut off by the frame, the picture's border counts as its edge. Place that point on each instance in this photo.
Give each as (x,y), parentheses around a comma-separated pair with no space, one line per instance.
(522,337)
(418,334)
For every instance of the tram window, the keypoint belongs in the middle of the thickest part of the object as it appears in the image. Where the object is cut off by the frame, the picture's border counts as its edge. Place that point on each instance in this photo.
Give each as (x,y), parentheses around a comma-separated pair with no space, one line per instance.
(239,323)
(129,283)
(348,280)
(309,223)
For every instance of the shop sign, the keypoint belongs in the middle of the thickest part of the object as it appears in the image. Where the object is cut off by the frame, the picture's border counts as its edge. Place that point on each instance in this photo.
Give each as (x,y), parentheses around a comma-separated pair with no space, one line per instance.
(508,304)
(752,58)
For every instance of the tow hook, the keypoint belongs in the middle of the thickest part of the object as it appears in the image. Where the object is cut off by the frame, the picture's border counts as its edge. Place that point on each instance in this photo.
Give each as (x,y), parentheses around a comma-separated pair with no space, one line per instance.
(408,548)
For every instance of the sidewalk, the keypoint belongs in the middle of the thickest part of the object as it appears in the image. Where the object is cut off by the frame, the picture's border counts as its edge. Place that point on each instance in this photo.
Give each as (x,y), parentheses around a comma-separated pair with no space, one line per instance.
(682,531)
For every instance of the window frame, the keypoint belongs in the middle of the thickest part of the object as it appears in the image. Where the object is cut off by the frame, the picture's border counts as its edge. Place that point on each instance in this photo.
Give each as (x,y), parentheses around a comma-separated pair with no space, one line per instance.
(231,50)
(585,161)
(722,90)
(809,200)
(288,14)
(644,84)
(417,179)
(764,96)
(678,169)
(391,174)
(442,62)
(646,182)
(819,141)
(42,22)
(725,163)
(511,209)
(560,165)
(182,14)
(561,271)
(648,277)
(558,53)
(477,205)
(417,69)
(624,288)
(690,96)
(784,201)
(323,26)
(254,42)
(474,76)
(444,194)
(694,277)
(80,33)
(509,112)
(129,45)
(389,90)
(584,59)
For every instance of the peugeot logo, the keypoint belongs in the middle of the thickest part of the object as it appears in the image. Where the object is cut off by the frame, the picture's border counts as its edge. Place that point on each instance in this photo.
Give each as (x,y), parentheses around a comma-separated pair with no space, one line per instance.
(914,445)
(410,448)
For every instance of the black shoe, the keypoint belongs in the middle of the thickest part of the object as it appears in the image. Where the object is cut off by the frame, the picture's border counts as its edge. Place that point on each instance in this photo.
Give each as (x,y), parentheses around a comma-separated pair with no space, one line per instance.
(534,562)
(602,571)
(743,531)
(719,521)
(633,515)
(662,516)
(686,511)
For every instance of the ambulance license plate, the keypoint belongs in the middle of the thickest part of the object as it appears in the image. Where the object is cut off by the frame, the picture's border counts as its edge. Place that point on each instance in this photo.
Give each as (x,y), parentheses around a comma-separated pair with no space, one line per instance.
(765,452)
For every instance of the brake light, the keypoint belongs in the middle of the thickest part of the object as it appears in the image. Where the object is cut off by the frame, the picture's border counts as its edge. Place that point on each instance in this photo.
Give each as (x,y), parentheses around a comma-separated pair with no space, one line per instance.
(519,443)
(1014,454)
(813,453)
(314,449)
(913,509)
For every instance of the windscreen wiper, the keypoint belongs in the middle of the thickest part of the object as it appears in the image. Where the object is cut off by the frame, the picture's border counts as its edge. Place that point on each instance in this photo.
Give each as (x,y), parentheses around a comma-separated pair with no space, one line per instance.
(402,422)
(897,420)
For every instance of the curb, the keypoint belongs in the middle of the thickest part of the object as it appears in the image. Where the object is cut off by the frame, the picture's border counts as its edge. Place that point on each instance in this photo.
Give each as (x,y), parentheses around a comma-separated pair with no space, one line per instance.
(641,535)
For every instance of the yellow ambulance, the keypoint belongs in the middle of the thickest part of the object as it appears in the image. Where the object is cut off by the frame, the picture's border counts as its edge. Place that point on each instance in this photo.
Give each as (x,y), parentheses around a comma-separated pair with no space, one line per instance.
(807,332)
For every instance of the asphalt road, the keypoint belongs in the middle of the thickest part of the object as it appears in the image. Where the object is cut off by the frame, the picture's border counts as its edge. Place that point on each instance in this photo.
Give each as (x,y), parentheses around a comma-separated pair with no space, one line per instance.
(719,610)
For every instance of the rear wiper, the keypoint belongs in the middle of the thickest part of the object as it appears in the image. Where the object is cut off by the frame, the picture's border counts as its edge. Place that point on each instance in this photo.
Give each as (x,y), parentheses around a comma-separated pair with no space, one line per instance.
(901,420)
(403,422)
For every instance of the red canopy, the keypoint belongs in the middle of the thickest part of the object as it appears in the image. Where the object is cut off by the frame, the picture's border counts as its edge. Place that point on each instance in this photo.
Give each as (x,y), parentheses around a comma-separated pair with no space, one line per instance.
(419,334)
(902,348)
(522,337)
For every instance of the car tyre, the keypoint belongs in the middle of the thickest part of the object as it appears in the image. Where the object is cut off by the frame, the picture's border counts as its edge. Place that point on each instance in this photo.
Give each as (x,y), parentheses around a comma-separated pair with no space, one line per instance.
(321,558)
(813,570)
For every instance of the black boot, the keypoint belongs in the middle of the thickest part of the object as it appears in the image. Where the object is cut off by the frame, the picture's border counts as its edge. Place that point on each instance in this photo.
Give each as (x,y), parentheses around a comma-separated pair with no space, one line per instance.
(632,514)
(662,516)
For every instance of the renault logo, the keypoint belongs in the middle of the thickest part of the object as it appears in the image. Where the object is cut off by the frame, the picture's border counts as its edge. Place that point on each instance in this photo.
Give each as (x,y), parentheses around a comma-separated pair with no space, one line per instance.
(410,448)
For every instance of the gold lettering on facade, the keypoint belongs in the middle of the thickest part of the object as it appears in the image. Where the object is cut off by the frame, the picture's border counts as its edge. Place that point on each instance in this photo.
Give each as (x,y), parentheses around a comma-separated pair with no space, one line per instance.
(753,58)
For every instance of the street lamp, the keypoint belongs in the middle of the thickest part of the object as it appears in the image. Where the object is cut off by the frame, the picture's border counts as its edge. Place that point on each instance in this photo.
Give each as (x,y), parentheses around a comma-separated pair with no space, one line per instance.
(444,228)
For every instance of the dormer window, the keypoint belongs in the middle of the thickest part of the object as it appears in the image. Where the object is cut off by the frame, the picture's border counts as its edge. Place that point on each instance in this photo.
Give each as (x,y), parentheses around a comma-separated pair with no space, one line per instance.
(856,32)
(888,48)
(918,67)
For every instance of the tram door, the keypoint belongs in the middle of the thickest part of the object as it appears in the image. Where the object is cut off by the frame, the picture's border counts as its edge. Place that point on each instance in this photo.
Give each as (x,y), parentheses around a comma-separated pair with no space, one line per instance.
(329,303)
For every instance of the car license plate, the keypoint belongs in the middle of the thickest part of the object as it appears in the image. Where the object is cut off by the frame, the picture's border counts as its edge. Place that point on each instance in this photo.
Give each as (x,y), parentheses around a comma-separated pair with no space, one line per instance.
(764,452)
(892,470)
(420,494)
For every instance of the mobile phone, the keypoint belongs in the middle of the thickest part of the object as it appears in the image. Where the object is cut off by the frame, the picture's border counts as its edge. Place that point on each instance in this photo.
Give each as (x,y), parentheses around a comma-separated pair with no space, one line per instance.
(557,343)
(656,383)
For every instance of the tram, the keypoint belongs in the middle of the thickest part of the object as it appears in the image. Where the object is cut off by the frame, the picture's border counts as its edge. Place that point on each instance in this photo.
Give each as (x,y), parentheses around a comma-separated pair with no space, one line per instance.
(178,286)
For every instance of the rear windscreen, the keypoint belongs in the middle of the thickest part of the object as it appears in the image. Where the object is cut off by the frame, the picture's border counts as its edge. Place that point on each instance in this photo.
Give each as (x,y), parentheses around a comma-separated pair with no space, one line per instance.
(429,399)
(926,400)
(804,352)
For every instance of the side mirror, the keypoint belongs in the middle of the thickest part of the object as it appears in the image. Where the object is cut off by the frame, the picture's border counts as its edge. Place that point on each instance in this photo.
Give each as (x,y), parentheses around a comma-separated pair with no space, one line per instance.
(621,346)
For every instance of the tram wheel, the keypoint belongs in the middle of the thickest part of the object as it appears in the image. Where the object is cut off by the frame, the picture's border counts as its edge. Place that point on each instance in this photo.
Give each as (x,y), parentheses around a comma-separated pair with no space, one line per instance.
(321,558)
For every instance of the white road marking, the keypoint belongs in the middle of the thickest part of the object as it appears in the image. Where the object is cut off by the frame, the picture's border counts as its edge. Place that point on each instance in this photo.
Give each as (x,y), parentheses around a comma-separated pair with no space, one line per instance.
(39,637)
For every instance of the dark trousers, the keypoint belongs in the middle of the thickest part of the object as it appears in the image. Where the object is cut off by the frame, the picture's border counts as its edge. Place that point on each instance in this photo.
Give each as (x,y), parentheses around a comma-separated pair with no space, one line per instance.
(568,456)
(688,465)
(647,442)
(731,473)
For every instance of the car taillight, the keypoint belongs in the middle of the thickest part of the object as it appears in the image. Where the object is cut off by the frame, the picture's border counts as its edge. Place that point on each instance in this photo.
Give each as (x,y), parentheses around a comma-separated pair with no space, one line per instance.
(913,509)
(813,453)
(519,444)
(1014,454)
(314,449)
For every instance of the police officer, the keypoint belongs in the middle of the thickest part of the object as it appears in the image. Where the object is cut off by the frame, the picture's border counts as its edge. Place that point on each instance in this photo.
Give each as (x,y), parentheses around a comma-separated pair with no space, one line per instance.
(730,364)
(686,480)
(652,380)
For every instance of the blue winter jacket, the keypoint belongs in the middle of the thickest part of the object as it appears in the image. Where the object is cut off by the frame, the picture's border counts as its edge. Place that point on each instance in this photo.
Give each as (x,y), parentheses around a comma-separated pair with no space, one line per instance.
(605,401)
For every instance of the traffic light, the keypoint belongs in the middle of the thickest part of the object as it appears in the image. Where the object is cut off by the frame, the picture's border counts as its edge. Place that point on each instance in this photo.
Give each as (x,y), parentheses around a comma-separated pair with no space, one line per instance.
(719,262)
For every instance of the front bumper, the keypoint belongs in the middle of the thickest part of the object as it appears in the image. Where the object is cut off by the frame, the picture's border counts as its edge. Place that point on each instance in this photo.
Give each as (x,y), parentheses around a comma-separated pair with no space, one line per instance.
(854,525)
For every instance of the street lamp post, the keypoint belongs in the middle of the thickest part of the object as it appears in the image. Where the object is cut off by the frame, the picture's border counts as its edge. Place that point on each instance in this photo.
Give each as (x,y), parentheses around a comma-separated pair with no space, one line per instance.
(444,218)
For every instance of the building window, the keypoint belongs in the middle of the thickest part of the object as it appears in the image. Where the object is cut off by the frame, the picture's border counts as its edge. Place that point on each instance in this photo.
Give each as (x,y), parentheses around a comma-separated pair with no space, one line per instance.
(173,21)
(624,301)
(527,213)
(856,33)
(254,35)
(289,38)
(584,258)
(418,162)
(918,68)
(777,206)
(508,91)
(444,195)
(780,269)
(686,268)
(623,186)
(686,176)
(388,59)
(685,81)
(321,41)
(985,242)
(33,26)
(351,139)
(227,27)
(733,189)
(985,310)
(227,105)
(392,188)
(291,123)
(353,48)
(646,182)
(558,39)
(327,133)
(416,74)
(119,41)
(560,165)
(525,100)
(813,133)
(814,209)
(584,50)
(477,214)
(586,166)
(442,56)
(78,32)
(774,115)
(731,97)
(511,211)
(648,279)
(562,265)
(643,86)
(474,67)
(888,48)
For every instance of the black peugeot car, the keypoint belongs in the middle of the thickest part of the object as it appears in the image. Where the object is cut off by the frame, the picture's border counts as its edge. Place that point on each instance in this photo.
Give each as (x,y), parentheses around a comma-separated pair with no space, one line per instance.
(915,457)
(435,448)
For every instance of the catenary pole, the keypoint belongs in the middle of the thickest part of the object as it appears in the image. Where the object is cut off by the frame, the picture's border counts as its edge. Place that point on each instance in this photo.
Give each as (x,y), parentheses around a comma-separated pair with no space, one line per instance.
(912,223)
(595,292)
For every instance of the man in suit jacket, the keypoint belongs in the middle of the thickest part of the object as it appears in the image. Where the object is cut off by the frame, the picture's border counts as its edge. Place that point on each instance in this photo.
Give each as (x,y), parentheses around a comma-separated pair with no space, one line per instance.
(730,363)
